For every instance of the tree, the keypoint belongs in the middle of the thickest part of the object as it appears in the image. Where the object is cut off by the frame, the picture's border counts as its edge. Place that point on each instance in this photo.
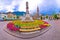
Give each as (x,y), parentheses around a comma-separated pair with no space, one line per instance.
(55,16)
(47,16)
(41,17)
(4,18)
(17,17)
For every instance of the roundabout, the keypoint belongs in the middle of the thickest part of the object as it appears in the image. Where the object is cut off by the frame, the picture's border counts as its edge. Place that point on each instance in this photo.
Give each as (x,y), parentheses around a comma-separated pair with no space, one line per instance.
(32,29)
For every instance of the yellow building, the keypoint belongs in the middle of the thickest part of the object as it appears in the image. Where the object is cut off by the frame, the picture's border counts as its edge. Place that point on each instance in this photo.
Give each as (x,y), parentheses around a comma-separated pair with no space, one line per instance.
(36,16)
(10,15)
(58,15)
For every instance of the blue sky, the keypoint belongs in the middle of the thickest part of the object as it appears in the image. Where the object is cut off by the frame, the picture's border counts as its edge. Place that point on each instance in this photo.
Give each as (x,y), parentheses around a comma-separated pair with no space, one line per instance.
(45,6)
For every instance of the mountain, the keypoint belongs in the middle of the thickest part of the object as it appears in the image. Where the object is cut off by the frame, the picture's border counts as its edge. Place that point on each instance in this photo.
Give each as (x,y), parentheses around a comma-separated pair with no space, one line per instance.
(18,13)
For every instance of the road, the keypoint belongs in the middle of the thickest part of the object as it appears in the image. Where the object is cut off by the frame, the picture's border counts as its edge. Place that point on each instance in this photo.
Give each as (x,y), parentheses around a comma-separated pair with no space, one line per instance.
(52,34)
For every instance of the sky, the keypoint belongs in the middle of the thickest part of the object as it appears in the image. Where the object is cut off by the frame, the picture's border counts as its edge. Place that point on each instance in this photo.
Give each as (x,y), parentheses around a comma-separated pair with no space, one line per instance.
(45,6)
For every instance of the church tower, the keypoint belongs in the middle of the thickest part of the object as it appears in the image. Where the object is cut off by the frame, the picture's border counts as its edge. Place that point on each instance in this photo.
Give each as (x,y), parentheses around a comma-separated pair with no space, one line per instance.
(36,16)
(37,11)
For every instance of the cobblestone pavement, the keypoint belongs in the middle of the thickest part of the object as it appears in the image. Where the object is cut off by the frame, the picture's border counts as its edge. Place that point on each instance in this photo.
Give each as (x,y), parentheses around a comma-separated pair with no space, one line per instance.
(52,34)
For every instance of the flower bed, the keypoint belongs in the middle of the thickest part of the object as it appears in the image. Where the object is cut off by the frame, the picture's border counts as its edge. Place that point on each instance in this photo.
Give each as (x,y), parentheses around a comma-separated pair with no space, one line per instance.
(18,25)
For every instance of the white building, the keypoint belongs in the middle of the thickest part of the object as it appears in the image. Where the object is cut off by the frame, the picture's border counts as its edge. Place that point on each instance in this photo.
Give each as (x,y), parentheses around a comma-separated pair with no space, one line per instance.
(3,15)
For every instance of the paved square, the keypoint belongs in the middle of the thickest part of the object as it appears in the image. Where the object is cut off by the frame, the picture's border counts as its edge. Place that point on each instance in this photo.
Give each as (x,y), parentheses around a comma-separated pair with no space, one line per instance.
(52,34)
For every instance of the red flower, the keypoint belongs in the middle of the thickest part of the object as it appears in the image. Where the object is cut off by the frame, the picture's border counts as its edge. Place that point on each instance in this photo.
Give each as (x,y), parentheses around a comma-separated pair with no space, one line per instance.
(42,26)
(11,26)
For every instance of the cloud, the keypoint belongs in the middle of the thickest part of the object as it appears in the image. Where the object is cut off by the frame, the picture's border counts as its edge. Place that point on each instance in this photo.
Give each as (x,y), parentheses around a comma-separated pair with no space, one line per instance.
(32,5)
(58,3)
(16,7)
(6,2)
(20,5)
(8,5)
